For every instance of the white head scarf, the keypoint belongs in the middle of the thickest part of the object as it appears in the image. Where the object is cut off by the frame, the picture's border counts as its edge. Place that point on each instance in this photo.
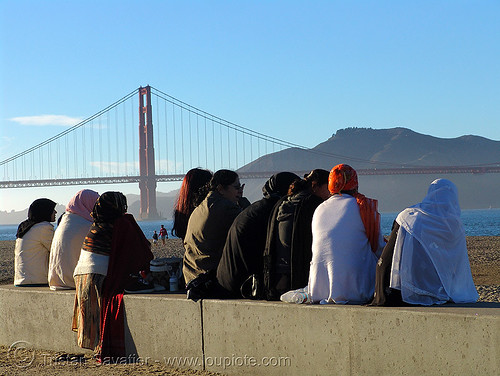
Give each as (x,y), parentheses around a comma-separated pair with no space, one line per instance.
(431,264)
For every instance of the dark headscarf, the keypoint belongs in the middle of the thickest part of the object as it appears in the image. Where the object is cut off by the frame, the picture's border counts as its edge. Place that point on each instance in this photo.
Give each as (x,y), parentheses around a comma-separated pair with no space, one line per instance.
(277,185)
(108,207)
(40,210)
(246,240)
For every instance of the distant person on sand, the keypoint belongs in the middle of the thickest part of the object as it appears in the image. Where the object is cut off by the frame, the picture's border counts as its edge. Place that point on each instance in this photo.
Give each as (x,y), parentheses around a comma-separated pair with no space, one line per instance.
(34,237)
(207,231)
(68,239)
(163,234)
(425,260)
(155,237)
(114,250)
(190,196)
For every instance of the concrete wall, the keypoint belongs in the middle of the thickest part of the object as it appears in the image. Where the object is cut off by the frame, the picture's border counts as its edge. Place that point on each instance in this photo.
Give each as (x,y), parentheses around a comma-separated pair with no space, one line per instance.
(267,338)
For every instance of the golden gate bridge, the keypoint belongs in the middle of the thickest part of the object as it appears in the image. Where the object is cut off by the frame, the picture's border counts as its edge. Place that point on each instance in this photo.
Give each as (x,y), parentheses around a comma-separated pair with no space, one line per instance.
(102,149)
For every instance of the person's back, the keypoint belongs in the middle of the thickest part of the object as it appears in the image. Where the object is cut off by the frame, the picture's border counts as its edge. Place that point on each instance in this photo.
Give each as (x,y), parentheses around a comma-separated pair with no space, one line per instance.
(32,255)
(343,265)
(33,239)
(208,226)
(427,254)
(288,246)
(65,250)
(68,239)
(346,242)
(243,251)
(206,234)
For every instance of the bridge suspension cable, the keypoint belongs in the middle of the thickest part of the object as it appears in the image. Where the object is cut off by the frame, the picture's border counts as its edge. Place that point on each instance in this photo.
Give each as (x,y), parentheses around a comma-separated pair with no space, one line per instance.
(105,146)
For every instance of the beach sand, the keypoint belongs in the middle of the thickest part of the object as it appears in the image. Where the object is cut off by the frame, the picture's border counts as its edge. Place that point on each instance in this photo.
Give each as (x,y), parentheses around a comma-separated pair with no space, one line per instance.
(484,256)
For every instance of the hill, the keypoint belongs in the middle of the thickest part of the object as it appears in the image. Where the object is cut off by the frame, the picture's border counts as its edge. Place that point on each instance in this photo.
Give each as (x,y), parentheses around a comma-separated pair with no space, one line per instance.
(391,148)
(379,148)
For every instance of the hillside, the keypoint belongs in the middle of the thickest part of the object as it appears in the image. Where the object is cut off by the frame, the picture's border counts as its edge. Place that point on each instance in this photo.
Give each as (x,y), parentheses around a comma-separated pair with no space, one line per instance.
(379,148)
(395,147)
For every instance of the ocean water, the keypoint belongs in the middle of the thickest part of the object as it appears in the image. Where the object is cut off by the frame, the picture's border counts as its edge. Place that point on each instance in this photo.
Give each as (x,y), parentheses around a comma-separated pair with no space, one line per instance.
(476,222)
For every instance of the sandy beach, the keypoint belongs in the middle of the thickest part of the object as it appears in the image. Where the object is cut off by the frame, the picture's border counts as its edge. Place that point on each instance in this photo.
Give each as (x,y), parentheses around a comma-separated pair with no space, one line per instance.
(484,256)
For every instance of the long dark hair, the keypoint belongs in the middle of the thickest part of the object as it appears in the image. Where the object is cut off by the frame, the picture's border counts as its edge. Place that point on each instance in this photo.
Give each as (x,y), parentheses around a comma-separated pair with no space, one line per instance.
(317,176)
(189,198)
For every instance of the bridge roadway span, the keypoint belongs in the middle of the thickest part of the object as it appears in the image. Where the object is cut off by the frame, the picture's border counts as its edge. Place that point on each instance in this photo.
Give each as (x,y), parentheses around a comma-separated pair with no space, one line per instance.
(244,175)
(273,338)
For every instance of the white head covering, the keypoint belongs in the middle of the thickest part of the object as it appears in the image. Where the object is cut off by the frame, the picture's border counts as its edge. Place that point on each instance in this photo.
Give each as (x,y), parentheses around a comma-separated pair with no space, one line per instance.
(431,264)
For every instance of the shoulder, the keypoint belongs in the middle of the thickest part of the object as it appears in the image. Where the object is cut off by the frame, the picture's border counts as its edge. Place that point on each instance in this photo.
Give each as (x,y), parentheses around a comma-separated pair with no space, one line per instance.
(42,227)
(217,202)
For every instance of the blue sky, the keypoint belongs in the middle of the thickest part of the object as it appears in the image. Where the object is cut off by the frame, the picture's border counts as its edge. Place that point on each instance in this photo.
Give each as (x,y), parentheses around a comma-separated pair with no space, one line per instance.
(295,70)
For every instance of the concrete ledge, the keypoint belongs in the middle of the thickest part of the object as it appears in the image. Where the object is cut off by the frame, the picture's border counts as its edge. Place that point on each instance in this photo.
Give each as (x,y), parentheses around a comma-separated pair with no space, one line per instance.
(158,328)
(351,340)
(164,328)
(261,338)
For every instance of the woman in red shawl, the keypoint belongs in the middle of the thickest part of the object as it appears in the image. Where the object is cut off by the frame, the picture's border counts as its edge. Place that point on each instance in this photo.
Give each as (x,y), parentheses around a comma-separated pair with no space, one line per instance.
(114,248)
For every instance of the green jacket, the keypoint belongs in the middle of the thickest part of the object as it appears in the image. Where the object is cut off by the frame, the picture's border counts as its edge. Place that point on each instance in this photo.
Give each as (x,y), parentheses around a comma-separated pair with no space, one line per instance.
(206,234)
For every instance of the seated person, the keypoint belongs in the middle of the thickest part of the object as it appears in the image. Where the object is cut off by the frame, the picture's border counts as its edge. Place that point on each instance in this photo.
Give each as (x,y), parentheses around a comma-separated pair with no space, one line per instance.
(289,237)
(425,260)
(346,243)
(246,240)
(68,239)
(189,197)
(209,224)
(34,237)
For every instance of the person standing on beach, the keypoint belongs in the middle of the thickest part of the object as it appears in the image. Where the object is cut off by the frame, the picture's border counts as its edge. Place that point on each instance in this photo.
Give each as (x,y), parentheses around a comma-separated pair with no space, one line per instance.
(163,234)
(34,237)
(114,249)
(155,237)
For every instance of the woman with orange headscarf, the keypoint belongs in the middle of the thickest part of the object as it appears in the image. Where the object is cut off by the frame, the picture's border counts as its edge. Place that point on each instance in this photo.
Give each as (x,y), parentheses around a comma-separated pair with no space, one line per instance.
(346,242)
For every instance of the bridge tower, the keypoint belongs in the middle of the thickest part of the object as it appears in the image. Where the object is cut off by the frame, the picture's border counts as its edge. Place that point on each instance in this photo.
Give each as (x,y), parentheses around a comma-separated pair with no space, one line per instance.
(147,182)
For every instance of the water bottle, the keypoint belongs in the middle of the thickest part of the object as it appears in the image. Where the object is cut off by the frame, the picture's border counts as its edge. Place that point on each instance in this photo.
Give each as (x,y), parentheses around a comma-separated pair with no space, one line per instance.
(174,283)
(296,296)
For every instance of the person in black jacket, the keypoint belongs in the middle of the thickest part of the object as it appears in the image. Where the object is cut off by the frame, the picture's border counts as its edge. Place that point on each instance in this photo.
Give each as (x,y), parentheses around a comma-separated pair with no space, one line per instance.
(289,236)
(246,240)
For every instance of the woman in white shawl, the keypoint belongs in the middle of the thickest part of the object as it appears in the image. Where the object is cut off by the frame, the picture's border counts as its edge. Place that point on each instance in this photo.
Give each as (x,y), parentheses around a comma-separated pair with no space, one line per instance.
(425,261)
(68,239)
(346,245)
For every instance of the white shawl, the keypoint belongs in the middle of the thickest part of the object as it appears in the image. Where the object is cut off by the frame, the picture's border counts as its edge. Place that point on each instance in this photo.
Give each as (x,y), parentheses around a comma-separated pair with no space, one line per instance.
(430,264)
(343,265)
(65,250)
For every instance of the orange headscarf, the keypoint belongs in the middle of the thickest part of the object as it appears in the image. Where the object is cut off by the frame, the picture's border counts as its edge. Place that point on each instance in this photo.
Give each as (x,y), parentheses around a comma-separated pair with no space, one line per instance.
(344,178)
